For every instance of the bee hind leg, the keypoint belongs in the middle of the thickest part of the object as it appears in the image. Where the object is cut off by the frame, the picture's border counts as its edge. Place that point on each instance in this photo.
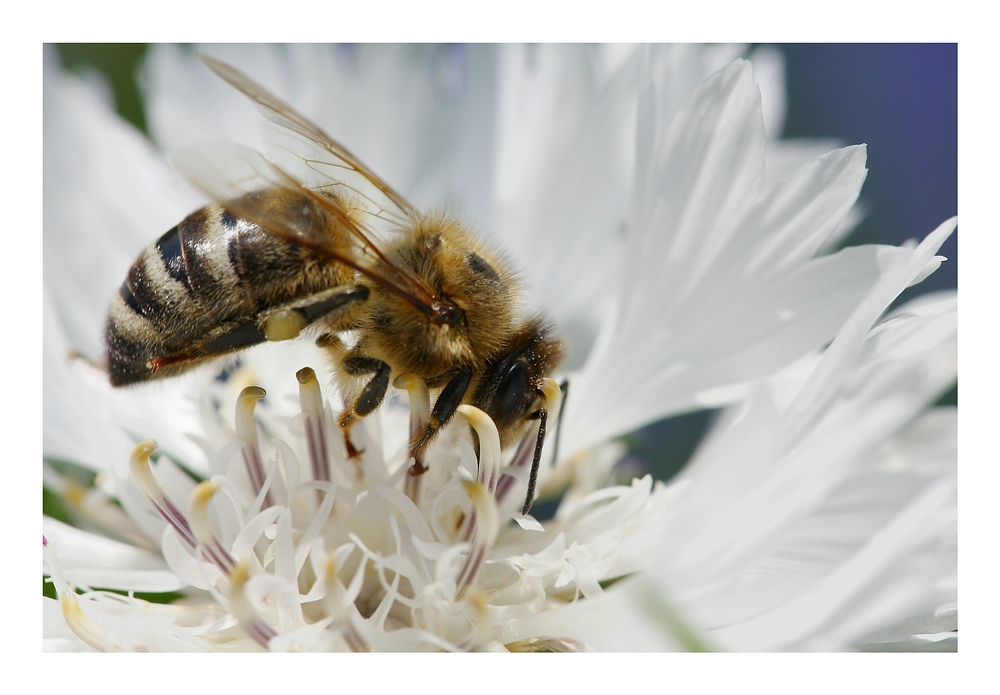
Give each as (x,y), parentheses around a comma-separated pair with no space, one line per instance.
(286,322)
(368,400)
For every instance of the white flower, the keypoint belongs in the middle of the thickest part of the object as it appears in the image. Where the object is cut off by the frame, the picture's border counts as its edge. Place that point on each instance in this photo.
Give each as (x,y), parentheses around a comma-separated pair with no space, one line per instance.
(683,256)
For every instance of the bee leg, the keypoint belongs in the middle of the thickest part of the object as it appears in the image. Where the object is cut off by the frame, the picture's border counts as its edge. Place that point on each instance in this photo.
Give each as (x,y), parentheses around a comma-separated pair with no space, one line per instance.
(286,322)
(444,408)
(370,397)
(281,323)
(542,415)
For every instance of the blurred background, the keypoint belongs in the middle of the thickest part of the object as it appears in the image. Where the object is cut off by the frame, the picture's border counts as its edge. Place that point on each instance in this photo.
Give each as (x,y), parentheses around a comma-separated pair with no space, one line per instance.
(902,100)
(899,99)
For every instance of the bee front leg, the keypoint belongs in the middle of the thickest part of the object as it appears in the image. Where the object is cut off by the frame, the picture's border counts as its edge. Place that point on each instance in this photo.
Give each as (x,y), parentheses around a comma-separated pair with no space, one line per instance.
(444,408)
(370,397)
(542,415)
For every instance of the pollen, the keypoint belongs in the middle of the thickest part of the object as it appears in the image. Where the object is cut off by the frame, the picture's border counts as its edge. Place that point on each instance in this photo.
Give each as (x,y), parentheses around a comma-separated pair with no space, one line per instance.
(284,325)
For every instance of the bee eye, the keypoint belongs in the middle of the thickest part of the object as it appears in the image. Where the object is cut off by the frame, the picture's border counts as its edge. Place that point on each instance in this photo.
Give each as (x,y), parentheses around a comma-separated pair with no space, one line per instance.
(481,268)
(510,394)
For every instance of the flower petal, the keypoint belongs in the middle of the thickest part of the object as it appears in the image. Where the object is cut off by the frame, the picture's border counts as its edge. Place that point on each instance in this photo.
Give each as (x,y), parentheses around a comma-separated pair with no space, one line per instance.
(722,288)
(91,560)
(564,154)
(420,116)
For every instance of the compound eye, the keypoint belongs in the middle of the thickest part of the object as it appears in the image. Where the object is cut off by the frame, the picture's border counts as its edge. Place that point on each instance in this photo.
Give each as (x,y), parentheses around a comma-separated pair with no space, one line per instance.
(512,390)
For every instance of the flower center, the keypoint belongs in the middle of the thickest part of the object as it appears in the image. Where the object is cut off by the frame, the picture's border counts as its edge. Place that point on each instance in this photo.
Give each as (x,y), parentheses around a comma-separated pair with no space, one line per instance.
(357,550)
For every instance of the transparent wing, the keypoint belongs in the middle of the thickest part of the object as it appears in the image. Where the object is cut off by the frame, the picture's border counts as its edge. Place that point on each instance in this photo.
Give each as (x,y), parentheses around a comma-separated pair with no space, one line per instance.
(252,187)
(301,148)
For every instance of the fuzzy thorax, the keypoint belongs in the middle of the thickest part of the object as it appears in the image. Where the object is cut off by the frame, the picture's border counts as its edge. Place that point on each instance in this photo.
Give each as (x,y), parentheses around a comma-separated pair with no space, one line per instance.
(467,275)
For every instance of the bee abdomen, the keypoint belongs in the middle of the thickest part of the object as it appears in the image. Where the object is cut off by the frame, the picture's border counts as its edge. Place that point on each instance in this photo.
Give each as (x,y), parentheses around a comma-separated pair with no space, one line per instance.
(170,299)
(197,293)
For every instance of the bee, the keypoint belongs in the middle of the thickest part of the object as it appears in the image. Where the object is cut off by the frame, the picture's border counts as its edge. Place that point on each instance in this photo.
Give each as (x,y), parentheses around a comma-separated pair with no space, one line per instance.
(310,238)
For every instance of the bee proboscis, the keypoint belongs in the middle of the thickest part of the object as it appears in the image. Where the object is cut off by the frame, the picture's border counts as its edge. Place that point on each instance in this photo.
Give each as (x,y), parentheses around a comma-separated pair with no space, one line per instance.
(310,238)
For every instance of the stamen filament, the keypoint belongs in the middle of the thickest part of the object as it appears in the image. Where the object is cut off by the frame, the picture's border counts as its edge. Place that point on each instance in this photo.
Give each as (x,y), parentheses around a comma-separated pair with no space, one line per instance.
(243,611)
(420,401)
(202,527)
(489,445)
(311,399)
(82,626)
(246,431)
(420,414)
(487,528)
(144,478)
(481,632)
(354,640)
(337,606)
(489,457)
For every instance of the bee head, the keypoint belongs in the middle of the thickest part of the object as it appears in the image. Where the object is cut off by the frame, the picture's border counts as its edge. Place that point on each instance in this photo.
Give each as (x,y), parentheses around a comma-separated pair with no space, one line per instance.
(512,383)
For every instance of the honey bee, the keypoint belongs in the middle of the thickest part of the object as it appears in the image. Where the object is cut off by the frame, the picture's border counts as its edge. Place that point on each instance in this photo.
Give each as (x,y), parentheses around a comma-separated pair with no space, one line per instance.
(310,238)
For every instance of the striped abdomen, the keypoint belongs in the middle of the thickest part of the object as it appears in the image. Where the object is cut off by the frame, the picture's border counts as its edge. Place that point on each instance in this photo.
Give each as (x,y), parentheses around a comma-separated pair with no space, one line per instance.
(200,290)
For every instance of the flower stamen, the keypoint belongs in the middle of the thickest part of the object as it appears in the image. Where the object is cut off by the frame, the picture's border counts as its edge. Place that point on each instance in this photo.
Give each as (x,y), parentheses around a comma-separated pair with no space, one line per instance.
(337,602)
(489,445)
(420,414)
(258,630)
(489,456)
(420,401)
(82,626)
(77,621)
(144,478)
(311,399)
(202,527)
(487,526)
(246,431)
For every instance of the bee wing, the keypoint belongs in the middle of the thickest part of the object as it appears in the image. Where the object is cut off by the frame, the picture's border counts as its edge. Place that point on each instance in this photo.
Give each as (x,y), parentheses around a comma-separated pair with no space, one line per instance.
(300,147)
(251,187)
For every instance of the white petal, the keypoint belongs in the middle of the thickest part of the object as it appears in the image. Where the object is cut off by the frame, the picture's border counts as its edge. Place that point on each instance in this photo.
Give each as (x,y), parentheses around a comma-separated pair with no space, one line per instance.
(795,216)
(784,157)
(94,561)
(56,634)
(564,154)
(618,620)
(72,428)
(784,469)
(809,611)
(842,353)
(107,194)
(769,72)
(711,248)
(866,501)
(419,116)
